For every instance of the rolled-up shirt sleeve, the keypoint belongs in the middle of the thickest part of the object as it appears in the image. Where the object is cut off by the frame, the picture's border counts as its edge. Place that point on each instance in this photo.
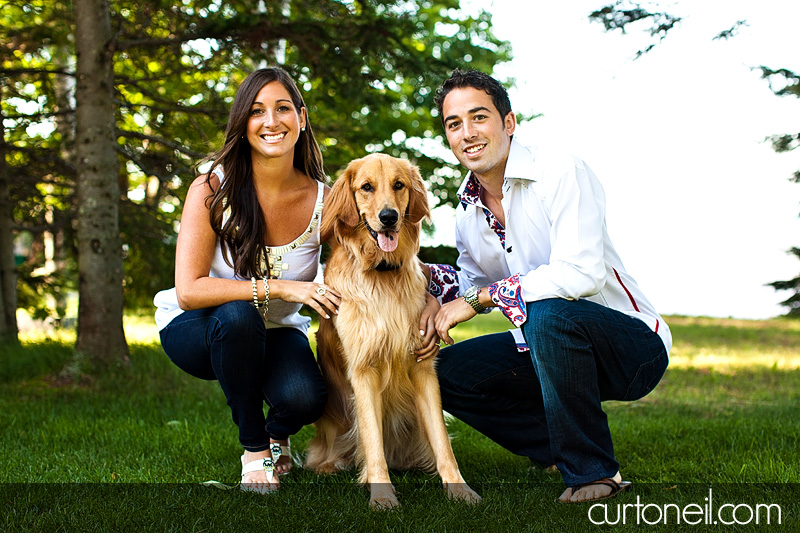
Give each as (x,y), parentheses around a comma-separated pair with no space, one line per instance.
(444,284)
(507,295)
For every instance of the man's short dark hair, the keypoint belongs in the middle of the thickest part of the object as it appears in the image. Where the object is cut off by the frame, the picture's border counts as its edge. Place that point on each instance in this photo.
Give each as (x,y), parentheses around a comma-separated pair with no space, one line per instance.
(460,79)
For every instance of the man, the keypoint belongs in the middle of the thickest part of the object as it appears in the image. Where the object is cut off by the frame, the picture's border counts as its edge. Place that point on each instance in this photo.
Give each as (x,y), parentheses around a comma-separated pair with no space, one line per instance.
(532,240)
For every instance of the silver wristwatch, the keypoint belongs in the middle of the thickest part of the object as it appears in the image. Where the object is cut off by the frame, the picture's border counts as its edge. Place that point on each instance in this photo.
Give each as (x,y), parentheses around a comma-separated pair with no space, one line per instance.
(471,296)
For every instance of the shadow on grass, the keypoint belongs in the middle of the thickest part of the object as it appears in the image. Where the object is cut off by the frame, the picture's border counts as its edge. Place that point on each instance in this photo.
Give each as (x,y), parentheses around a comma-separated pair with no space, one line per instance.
(29,360)
(325,506)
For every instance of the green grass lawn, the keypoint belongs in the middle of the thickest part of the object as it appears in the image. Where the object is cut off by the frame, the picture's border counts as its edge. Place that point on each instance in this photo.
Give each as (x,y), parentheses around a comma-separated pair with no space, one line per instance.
(130,452)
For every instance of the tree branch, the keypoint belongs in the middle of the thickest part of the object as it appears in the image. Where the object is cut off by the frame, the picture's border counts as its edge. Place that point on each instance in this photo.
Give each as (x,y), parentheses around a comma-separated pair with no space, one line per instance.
(169,144)
(18,71)
(619,15)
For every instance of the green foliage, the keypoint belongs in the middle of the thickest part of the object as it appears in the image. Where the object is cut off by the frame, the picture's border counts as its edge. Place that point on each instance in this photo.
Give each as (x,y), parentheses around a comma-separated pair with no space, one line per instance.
(439,255)
(368,70)
(793,302)
(34,288)
(149,250)
(36,113)
(784,82)
(730,32)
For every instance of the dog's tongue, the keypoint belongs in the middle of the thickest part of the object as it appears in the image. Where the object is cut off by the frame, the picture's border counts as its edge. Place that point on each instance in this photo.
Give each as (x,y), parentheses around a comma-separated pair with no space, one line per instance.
(387,241)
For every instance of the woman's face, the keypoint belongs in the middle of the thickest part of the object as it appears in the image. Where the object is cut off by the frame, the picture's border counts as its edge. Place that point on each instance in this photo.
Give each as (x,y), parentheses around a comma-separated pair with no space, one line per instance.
(274,124)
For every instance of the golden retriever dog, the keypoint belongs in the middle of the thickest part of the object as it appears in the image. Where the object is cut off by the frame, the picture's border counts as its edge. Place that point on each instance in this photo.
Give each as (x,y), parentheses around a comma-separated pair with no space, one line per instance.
(384,409)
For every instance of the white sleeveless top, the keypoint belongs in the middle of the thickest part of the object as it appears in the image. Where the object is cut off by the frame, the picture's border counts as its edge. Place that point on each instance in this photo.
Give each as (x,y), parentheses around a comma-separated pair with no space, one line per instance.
(298,260)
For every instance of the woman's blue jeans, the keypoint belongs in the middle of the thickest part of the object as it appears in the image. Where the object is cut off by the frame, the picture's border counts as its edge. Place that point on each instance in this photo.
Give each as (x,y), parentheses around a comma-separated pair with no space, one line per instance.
(253,365)
(545,404)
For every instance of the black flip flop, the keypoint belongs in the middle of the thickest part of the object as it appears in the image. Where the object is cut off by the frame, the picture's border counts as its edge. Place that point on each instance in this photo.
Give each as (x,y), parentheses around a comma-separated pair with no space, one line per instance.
(616,488)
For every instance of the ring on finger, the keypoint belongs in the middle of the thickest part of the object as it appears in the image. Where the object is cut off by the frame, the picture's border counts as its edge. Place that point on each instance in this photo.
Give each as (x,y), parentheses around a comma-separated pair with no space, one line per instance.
(321,290)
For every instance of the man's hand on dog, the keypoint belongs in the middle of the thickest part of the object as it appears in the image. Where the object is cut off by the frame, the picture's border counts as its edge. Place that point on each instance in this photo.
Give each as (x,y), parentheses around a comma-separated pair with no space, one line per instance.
(450,315)
(427,329)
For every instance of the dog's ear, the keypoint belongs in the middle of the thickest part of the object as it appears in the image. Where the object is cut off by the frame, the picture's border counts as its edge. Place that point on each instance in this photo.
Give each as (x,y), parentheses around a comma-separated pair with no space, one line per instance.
(418,197)
(340,212)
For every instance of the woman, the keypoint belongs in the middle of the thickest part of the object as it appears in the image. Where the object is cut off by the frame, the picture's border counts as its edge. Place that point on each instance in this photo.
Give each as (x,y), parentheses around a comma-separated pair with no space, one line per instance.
(247,252)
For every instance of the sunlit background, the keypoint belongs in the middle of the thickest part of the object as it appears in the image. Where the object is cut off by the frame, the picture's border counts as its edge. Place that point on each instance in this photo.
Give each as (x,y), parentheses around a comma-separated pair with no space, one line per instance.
(700,207)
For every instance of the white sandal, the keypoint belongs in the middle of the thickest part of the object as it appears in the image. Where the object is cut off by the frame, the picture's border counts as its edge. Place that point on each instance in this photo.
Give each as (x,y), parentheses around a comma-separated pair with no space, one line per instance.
(279,450)
(268,465)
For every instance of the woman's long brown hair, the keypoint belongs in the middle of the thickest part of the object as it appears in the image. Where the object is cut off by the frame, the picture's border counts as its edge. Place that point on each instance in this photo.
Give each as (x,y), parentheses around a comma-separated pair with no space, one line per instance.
(242,235)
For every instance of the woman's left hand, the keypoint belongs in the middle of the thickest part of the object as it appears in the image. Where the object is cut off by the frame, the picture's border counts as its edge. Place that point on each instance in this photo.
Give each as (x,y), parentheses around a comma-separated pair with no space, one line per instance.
(427,328)
(319,297)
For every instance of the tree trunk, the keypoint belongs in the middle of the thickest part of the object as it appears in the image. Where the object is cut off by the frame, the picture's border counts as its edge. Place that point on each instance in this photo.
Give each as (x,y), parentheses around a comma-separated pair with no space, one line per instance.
(8,269)
(101,338)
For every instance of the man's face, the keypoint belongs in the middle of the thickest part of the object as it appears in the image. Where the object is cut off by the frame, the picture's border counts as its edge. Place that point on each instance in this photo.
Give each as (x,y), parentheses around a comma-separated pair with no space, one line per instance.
(479,137)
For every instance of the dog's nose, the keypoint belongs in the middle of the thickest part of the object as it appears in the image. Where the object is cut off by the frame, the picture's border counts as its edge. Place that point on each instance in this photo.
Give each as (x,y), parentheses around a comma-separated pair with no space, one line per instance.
(388,217)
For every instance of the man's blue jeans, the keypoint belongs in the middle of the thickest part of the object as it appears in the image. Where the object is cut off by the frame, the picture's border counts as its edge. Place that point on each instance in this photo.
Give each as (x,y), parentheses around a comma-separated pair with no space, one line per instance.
(545,404)
(253,365)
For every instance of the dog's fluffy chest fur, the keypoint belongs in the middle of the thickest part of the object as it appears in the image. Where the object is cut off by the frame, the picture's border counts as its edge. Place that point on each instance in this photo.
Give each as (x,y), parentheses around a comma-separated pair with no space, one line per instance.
(378,305)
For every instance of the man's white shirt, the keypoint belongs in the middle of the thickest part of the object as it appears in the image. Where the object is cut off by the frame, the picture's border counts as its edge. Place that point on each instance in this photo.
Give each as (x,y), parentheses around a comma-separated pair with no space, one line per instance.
(555,243)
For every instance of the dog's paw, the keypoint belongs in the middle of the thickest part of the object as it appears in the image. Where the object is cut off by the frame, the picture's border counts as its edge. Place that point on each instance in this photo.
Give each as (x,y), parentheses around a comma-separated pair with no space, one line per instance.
(384,504)
(326,469)
(382,497)
(462,492)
